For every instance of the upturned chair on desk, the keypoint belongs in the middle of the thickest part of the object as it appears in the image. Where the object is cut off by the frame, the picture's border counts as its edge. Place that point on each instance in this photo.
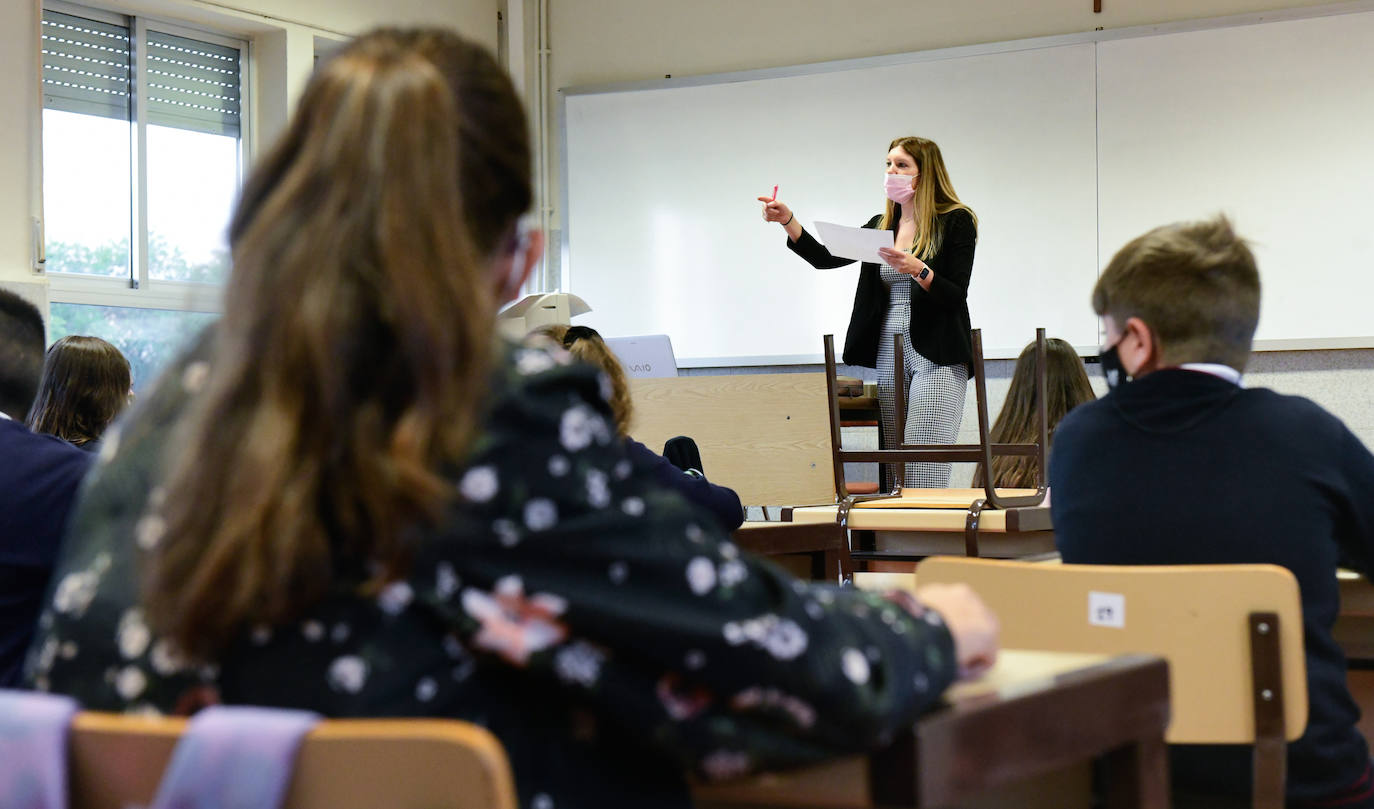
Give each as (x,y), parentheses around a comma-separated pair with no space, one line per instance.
(114,762)
(1232,635)
(981,453)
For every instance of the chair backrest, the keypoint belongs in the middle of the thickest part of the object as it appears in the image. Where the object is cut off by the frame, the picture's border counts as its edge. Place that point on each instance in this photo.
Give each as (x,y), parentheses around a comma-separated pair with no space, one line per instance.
(117,761)
(763,435)
(1195,616)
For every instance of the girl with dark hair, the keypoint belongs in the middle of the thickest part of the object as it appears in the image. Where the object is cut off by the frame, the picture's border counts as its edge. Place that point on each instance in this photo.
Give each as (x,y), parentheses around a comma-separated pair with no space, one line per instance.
(358,501)
(920,292)
(86,383)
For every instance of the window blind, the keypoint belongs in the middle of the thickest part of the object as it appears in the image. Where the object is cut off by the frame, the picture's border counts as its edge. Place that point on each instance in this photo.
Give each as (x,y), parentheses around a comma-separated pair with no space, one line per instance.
(192,84)
(85,66)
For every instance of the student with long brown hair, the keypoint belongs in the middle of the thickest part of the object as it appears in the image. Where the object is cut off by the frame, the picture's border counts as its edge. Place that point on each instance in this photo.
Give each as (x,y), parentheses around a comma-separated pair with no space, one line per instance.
(1066,387)
(920,292)
(587,345)
(352,498)
(86,383)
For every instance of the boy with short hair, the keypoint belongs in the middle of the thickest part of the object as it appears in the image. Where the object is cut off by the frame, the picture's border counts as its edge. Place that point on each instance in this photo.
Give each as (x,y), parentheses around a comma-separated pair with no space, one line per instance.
(1181,464)
(39,475)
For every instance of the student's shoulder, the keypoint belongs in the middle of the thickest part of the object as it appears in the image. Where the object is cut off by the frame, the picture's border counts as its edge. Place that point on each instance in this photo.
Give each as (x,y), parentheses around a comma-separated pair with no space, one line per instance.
(539,368)
(20,443)
(1291,413)
(1079,436)
(536,388)
(1086,420)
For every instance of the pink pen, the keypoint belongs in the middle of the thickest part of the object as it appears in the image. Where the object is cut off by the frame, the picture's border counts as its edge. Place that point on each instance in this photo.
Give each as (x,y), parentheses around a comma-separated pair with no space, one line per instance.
(775,194)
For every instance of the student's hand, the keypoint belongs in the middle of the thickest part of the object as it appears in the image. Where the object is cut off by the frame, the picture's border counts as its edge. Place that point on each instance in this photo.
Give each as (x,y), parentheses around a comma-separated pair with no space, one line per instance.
(775,211)
(972,624)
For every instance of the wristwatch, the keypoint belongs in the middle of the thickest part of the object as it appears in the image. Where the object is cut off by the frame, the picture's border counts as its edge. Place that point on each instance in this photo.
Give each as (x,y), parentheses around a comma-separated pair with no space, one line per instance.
(924,274)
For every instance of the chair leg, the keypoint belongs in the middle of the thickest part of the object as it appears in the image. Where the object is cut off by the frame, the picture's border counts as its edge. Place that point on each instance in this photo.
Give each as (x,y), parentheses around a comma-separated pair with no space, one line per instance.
(975,512)
(1137,776)
(1271,746)
(833,407)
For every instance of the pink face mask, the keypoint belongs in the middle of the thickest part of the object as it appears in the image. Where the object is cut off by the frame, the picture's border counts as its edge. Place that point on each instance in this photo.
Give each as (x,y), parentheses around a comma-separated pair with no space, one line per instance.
(899,188)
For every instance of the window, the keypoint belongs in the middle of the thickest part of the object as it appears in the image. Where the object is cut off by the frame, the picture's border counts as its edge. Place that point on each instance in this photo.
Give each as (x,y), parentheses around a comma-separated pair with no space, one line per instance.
(143,153)
(148,338)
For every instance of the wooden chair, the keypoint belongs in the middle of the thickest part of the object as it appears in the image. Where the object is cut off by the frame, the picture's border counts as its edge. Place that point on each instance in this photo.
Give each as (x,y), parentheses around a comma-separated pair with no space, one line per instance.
(857,409)
(1219,626)
(116,761)
(981,453)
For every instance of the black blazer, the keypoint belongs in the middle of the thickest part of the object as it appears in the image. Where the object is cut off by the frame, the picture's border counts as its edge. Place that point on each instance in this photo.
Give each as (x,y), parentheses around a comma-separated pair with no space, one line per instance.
(939,318)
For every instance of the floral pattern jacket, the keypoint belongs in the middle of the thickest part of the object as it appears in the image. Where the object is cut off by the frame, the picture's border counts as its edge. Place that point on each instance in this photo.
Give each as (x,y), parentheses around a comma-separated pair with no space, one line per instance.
(607,632)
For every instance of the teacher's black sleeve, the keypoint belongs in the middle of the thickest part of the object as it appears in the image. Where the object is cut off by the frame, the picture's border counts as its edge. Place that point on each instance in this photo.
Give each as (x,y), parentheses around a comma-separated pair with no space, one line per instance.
(816,254)
(954,263)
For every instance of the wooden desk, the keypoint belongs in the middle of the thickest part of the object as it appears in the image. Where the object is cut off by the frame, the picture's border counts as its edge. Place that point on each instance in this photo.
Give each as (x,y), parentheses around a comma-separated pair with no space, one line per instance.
(859,411)
(823,542)
(1034,713)
(776,456)
(930,522)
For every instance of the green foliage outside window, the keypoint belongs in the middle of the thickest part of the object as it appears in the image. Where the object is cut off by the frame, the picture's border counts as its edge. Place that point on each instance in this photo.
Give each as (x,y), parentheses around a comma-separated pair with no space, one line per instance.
(149,338)
(166,261)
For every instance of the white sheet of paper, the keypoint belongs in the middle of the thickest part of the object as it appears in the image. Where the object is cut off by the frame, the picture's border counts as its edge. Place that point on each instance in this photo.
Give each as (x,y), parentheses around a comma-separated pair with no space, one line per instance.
(856,243)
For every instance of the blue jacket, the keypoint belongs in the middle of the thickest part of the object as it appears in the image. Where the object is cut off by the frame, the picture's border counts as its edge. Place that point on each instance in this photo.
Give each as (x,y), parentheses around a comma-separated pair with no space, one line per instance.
(39,475)
(723,503)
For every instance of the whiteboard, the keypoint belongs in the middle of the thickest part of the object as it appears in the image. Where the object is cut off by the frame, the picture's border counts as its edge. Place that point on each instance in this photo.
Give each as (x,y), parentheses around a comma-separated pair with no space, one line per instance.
(663,233)
(1272,124)
(1066,147)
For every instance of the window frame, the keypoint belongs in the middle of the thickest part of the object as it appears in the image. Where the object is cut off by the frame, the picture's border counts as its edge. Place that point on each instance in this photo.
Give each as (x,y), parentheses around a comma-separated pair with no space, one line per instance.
(139,291)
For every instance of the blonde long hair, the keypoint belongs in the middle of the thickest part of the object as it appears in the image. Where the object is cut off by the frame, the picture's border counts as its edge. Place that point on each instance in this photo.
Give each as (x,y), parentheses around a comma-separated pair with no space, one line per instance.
(586,344)
(934,195)
(357,337)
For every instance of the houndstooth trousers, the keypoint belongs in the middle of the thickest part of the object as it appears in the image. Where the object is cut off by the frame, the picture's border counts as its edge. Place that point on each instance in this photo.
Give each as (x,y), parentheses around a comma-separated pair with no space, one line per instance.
(935,393)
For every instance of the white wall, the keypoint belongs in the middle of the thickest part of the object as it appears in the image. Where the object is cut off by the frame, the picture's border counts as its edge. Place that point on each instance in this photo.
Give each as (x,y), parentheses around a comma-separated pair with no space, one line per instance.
(605,41)
(596,41)
(282,33)
(18,164)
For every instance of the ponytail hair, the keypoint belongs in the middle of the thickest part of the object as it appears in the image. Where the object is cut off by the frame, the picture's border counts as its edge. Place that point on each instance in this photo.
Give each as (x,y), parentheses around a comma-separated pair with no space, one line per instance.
(356,341)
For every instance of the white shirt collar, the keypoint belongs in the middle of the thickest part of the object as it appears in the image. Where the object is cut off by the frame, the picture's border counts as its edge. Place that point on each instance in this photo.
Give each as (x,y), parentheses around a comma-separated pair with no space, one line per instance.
(5,416)
(1215,369)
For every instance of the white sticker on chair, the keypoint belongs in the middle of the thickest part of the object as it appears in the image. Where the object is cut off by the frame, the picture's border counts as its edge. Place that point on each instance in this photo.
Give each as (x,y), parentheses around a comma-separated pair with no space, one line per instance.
(1107,609)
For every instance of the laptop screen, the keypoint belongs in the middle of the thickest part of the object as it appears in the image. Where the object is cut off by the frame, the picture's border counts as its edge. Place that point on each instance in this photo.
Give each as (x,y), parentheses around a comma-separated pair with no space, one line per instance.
(650,355)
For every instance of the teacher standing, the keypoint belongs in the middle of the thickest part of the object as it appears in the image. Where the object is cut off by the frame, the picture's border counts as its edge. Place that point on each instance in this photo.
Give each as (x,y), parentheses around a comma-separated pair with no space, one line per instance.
(921,293)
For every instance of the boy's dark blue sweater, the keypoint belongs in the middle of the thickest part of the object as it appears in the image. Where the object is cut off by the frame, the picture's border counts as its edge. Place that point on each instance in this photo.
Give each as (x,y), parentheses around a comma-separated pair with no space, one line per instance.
(1183,467)
(39,475)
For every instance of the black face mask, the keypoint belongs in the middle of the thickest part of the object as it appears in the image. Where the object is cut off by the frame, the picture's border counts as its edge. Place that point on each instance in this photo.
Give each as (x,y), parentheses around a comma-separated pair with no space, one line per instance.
(1112,368)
